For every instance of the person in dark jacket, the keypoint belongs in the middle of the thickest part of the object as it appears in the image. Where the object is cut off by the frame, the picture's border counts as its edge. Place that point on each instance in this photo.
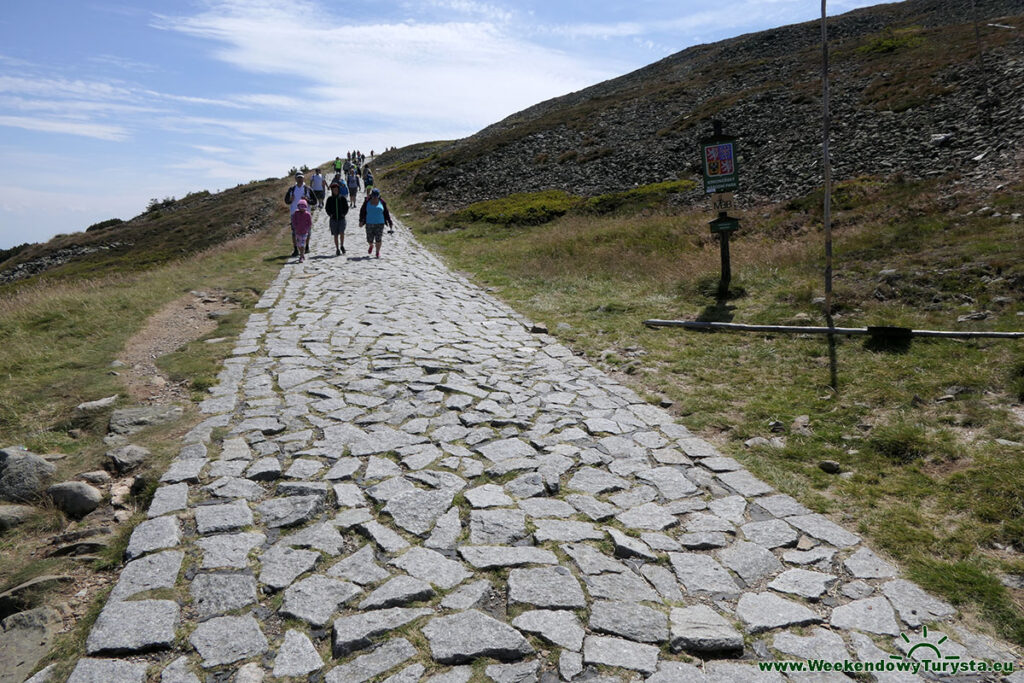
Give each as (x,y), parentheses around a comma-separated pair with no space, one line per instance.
(374,215)
(336,207)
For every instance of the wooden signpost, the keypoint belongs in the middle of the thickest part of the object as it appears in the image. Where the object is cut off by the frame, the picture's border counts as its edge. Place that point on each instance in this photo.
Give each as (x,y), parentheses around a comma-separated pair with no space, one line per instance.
(721,178)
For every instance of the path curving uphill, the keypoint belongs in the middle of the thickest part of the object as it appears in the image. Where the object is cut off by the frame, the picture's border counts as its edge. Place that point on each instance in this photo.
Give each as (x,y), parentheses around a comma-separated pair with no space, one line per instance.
(398,481)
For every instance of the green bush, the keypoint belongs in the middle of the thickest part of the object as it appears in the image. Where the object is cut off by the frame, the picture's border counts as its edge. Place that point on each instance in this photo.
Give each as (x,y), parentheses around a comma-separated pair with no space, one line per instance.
(638,197)
(523,208)
(891,40)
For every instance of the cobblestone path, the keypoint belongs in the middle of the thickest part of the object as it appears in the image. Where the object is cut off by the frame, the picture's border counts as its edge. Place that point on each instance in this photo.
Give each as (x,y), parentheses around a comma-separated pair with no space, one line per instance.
(398,481)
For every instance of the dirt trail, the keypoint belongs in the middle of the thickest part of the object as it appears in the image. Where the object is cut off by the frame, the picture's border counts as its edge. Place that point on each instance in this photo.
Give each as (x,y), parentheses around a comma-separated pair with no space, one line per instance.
(182,321)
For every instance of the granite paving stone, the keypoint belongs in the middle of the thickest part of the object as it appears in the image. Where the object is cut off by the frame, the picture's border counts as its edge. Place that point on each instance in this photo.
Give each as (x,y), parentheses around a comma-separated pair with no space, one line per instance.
(625,586)
(914,606)
(873,615)
(702,574)
(216,593)
(629,620)
(387,434)
(364,667)
(560,627)
(89,670)
(700,629)
(153,534)
(620,652)
(750,561)
(133,626)
(316,598)
(766,611)
(432,567)
(168,499)
(467,596)
(802,582)
(215,519)
(280,565)
(545,587)
(352,633)
(360,567)
(297,656)
(401,590)
(159,570)
(864,564)
(229,550)
(470,635)
(493,556)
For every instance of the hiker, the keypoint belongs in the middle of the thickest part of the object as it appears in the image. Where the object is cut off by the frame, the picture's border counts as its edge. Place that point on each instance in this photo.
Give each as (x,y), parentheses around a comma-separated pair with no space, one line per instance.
(302,224)
(337,165)
(367,179)
(347,166)
(319,186)
(292,197)
(373,214)
(336,207)
(353,186)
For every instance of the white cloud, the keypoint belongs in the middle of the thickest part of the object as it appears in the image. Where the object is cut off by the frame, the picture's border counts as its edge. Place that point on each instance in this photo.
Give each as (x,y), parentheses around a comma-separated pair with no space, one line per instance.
(89,130)
(467,72)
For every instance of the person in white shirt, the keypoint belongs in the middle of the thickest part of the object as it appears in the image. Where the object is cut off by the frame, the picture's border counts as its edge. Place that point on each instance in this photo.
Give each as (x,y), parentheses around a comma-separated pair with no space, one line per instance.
(319,188)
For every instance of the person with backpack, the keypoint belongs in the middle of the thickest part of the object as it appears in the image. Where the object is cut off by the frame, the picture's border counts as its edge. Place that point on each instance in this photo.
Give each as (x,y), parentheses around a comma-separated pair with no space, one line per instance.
(337,165)
(353,187)
(367,179)
(302,225)
(296,193)
(337,207)
(319,185)
(374,215)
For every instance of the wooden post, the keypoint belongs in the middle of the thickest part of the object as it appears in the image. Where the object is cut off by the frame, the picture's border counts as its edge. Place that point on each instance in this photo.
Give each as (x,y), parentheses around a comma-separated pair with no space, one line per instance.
(723,283)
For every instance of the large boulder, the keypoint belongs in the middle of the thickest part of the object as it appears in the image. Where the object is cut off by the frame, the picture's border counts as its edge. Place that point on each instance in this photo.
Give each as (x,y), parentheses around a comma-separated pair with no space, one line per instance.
(126,458)
(13,515)
(25,638)
(93,407)
(131,420)
(75,498)
(23,475)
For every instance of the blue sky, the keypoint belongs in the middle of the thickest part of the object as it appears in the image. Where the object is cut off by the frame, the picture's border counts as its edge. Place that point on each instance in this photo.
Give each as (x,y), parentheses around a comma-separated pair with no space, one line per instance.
(105,104)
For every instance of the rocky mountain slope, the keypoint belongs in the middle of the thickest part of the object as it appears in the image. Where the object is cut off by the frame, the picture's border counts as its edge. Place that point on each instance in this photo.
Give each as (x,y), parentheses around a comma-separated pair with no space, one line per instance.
(167,230)
(910,95)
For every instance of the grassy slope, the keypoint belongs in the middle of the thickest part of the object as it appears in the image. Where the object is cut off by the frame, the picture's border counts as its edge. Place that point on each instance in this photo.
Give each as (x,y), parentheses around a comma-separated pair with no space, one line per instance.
(58,336)
(929,484)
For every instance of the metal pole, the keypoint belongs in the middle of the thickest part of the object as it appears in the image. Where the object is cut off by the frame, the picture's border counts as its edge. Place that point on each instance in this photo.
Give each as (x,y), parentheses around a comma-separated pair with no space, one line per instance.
(833,365)
(827,164)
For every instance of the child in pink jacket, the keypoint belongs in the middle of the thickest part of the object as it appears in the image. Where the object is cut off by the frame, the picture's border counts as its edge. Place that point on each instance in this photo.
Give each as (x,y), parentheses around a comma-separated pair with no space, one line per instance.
(302,224)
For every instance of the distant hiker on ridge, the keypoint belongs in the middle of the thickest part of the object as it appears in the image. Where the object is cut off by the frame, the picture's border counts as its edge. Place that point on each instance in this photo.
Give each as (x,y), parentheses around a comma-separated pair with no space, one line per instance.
(374,215)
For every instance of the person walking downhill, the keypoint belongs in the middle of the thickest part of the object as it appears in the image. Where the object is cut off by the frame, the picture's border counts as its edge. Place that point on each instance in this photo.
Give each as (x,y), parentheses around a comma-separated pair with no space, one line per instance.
(337,165)
(292,197)
(374,215)
(302,225)
(337,207)
(319,185)
(353,187)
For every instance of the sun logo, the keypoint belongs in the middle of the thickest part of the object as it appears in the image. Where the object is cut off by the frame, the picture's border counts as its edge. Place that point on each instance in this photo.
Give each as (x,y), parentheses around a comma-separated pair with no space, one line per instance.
(929,648)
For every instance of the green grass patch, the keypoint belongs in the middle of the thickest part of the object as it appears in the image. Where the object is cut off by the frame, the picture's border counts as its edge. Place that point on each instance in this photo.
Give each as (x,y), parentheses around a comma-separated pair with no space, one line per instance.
(523,208)
(892,40)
